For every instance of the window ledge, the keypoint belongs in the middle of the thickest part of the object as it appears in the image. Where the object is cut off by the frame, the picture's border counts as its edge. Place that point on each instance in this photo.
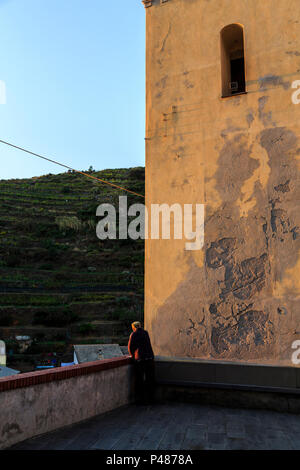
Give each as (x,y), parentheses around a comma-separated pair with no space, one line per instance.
(236,94)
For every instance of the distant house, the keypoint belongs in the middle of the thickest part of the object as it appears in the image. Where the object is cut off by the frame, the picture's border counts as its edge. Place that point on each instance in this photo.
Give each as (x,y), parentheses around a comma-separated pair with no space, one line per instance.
(96,352)
(7,372)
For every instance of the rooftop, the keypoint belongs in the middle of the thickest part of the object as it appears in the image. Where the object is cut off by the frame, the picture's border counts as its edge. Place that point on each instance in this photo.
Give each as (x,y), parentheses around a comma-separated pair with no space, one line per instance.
(175,426)
(6,371)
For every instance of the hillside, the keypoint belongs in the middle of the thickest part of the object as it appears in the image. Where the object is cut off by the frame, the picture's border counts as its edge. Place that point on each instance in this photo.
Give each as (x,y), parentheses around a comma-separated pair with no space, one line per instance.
(59,284)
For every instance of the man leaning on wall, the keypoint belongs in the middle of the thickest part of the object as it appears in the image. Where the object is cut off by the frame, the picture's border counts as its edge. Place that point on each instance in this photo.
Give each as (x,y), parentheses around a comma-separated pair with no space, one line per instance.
(140,349)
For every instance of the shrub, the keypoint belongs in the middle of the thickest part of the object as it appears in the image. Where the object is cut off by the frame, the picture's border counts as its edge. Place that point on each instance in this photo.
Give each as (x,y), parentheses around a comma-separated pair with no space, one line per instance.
(88,211)
(46,267)
(66,190)
(48,244)
(123,300)
(29,225)
(69,223)
(122,314)
(12,257)
(42,229)
(137,173)
(61,276)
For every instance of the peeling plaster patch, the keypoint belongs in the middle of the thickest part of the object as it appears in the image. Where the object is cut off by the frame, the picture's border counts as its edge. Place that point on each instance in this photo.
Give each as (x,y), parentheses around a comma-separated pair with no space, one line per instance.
(220,252)
(245,279)
(283,188)
(279,221)
(272,80)
(290,283)
(213,309)
(253,329)
(230,130)
(295,232)
(265,118)
(277,142)
(237,329)
(162,83)
(196,331)
(188,84)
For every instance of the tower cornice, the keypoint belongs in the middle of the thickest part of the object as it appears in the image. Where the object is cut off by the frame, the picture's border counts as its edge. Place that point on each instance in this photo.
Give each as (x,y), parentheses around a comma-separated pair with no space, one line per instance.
(149,3)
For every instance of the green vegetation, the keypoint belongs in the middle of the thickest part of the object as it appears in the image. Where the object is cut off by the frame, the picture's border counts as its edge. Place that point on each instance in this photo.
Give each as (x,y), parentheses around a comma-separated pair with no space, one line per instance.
(86,328)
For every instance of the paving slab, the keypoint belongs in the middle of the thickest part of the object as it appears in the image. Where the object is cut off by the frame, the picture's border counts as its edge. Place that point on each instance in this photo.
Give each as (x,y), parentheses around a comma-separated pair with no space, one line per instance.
(176,426)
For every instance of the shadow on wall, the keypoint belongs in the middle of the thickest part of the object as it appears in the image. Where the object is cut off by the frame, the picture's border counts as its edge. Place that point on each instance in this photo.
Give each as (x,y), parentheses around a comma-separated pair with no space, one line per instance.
(240,305)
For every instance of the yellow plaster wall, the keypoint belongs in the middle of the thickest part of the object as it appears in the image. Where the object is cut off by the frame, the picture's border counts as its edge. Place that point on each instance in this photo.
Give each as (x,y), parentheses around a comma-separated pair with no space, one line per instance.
(238,298)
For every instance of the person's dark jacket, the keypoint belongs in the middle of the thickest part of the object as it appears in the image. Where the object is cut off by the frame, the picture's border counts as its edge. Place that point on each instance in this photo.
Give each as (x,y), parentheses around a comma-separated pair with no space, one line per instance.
(139,345)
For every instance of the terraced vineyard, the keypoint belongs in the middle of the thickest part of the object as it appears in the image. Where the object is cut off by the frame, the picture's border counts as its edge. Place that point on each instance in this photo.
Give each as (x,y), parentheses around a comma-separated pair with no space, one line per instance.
(59,284)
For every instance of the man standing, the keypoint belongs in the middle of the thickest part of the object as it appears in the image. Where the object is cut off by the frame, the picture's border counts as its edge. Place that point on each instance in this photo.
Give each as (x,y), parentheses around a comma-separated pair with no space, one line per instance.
(140,349)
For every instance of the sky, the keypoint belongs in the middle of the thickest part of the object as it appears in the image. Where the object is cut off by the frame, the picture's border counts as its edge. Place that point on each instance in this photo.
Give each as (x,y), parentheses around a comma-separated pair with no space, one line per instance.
(72,84)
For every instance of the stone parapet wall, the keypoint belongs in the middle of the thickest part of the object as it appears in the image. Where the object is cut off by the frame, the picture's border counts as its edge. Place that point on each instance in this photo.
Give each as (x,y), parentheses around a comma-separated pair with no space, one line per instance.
(39,402)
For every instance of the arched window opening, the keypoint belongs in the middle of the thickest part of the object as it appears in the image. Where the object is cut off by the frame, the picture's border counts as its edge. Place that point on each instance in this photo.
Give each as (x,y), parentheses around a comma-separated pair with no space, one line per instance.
(233,60)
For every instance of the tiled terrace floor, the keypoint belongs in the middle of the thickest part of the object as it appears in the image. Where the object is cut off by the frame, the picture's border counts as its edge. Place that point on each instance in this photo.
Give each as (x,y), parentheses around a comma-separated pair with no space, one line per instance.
(176,426)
